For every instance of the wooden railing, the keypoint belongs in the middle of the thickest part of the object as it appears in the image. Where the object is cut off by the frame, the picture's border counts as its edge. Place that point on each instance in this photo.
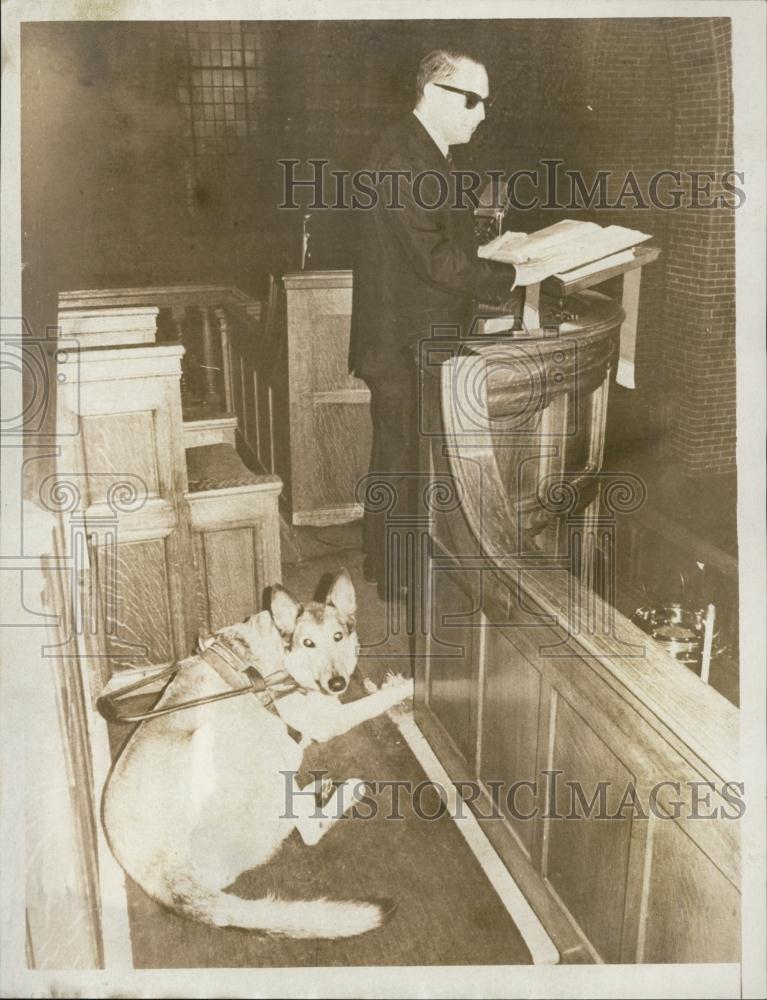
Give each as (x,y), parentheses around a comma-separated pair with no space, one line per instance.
(528,682)
(192,504)
(224,332)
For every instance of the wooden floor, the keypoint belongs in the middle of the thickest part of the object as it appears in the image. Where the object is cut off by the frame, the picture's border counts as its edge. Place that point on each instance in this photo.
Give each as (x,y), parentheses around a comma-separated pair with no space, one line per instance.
(447,912)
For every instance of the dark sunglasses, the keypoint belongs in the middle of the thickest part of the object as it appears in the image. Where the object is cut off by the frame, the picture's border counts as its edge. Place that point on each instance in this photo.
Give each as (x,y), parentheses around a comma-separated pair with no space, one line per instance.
(472,99)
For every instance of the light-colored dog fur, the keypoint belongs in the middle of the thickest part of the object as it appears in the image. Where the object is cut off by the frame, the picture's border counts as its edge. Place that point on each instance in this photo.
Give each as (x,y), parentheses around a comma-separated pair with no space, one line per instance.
(196,797)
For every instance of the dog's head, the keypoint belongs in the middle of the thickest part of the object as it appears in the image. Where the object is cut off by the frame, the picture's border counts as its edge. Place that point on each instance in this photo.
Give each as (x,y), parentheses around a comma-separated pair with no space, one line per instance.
(320,639)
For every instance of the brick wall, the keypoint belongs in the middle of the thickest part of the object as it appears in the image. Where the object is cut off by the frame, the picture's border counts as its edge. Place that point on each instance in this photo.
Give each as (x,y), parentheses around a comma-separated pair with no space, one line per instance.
(661,95)
(632,131)
(699,318)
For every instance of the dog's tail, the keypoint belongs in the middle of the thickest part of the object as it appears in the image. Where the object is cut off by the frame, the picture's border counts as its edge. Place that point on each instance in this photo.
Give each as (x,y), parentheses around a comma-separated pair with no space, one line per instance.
(317,918)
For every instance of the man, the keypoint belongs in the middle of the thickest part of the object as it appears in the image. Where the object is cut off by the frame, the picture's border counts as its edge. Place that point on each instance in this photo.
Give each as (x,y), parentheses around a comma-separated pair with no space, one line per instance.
(416,268)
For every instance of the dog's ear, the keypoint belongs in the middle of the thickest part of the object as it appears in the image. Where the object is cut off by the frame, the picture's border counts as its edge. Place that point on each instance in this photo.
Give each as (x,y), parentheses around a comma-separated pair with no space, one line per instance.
(284,609)
(341,596)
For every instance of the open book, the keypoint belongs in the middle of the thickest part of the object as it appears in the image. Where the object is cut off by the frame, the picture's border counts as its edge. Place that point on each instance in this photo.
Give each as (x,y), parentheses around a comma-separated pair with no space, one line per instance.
(568,249)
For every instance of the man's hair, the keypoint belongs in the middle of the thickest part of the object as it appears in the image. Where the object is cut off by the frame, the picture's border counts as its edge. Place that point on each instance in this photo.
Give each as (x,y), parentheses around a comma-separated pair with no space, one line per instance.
(440,64)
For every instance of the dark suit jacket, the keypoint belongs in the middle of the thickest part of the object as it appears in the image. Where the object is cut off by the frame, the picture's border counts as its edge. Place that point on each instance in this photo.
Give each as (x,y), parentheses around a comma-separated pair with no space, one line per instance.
(415,268)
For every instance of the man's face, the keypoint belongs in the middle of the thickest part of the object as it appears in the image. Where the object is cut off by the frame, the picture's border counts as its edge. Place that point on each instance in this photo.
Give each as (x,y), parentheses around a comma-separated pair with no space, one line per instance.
(455,121)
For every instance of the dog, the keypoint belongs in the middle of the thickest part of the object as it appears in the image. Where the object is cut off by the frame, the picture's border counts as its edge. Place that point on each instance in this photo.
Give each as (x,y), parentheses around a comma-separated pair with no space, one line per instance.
(197,796)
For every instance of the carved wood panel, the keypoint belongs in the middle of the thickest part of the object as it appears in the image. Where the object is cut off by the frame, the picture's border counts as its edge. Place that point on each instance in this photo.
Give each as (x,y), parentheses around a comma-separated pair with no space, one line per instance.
(230,564)
(237,550)
(328,445)
(342,451)
(134,588)
(120,445)
(452,693)
(692,910)
(587,858)
(124,466)
(511,699)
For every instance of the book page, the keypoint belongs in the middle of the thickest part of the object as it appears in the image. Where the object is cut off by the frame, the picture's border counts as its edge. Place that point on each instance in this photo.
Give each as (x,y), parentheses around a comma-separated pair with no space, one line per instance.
(516,248)
(563,246)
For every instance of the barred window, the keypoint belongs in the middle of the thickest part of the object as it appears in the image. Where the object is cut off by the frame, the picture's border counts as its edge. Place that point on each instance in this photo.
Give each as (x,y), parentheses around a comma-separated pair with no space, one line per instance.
(220,82)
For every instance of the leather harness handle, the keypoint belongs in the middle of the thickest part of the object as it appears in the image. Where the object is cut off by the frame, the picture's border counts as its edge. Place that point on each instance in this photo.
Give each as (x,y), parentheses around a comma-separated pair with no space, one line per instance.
(108,708)
(107,704)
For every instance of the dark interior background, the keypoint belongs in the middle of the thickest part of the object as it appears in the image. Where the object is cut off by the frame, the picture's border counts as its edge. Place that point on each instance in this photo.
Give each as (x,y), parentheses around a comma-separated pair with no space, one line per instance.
(116,192)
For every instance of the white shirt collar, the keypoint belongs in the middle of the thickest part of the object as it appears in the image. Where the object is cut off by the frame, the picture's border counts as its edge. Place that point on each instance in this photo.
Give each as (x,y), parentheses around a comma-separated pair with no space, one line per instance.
(438,140)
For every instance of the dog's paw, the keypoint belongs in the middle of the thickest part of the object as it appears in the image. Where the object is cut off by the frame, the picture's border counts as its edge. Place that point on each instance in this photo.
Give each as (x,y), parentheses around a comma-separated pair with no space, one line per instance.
(395,680)
(401,692)
(370,686)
